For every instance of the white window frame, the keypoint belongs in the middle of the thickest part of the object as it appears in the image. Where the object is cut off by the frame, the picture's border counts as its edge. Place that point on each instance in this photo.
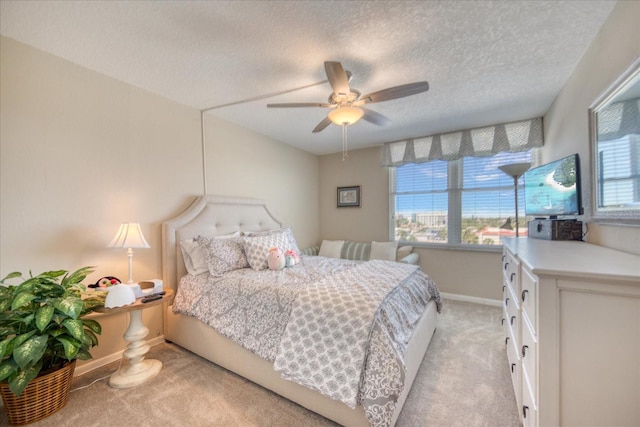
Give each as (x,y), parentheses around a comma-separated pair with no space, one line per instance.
(455,180)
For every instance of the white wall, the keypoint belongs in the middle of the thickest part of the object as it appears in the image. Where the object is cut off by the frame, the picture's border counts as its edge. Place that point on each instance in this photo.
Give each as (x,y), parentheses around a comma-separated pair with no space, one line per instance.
(566,123)
(81,152)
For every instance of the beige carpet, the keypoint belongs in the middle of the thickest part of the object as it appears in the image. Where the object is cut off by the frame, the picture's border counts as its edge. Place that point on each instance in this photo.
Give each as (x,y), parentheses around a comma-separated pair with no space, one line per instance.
(463,381)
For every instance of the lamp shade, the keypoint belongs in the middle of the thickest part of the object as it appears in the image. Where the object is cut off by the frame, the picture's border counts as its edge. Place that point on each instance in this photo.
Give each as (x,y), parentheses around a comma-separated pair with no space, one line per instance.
(346,115)
(515,170)
(129,236)
(119,295)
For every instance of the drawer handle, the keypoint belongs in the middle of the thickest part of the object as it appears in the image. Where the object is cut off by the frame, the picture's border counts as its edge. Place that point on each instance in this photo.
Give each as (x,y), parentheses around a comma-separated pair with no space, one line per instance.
(506,341)
(524,350)
(506,301)
(503,257)
(506,264)
(524,294)
(503,286)
(524,411)
(513,367)
(502,322)
(512,319)
(512,276)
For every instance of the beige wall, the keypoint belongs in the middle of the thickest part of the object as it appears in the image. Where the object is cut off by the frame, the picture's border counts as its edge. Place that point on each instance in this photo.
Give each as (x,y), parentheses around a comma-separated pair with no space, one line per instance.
(477,274)
(80,153)
(566,123)
(243,163)
(371,220)
(470,273)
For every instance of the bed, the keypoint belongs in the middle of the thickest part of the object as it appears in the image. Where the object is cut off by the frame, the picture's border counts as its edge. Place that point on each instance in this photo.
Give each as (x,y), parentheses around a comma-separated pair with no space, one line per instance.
(217,216)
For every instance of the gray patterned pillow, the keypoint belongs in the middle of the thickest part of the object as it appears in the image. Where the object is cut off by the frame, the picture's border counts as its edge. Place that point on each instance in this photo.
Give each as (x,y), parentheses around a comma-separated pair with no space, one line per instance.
(257,244)
(222,255)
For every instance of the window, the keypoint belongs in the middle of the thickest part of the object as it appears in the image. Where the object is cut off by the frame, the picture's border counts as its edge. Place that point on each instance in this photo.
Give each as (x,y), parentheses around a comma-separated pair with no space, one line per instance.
(457,202)
(619,172)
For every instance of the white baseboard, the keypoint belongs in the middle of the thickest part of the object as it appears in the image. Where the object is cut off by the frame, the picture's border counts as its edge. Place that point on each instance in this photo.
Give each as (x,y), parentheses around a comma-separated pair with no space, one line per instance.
(113,357)
(476,300)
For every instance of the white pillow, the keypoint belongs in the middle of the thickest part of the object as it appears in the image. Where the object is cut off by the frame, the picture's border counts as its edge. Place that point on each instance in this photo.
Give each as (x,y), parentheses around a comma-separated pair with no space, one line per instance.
(331,248)
(193,255)
(384,250)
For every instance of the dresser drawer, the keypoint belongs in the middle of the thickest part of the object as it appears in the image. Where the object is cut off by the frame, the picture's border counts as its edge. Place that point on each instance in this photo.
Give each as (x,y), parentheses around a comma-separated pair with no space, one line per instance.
(515,369)
(510,271)
(529,356)
(528,297)
(529,408)
(512,319)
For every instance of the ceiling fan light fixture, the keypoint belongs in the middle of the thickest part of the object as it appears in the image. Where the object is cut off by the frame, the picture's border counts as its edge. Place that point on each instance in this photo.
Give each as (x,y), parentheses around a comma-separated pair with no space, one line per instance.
(346,115)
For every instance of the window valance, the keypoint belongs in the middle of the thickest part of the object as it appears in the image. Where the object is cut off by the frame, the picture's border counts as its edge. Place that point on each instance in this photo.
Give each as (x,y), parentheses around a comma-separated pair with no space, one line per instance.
(485,141)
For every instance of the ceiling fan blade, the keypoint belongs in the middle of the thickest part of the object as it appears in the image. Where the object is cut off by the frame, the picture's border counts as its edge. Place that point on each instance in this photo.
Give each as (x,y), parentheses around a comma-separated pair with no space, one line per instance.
(298,104)
(394,93)
(337,77)
(322,125)
(375,118)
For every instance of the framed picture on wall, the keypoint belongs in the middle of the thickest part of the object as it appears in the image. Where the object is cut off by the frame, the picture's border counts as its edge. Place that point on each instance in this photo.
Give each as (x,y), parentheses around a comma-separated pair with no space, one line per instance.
(349,197)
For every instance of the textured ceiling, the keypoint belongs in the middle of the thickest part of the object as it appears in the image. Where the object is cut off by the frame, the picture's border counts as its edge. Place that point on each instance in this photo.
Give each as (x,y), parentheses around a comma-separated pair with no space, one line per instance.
(486,61)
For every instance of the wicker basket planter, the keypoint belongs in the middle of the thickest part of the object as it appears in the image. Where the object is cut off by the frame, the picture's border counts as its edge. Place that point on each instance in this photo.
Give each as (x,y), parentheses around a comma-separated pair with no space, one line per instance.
(43,396)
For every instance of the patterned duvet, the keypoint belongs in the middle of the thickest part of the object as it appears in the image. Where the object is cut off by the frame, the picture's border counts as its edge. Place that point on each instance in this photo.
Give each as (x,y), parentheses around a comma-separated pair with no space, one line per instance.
(339,327)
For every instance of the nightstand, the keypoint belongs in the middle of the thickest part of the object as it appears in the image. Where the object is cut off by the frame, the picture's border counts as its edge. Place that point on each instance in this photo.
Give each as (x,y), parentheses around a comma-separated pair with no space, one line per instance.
(138,370)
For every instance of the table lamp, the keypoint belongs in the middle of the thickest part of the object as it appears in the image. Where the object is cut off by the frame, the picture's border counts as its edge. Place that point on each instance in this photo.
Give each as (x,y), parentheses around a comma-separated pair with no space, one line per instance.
(128,236)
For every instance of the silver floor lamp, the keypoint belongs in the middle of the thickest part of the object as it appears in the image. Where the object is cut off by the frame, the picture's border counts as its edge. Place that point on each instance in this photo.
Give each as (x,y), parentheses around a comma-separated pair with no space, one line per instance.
(514,170)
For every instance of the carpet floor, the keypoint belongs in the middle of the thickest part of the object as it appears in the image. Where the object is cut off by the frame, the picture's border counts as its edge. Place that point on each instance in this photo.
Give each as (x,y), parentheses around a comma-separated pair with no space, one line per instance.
(464,380)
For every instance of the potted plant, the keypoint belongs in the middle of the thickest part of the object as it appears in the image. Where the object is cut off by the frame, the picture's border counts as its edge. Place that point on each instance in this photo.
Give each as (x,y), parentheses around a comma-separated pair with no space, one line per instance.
(42,332)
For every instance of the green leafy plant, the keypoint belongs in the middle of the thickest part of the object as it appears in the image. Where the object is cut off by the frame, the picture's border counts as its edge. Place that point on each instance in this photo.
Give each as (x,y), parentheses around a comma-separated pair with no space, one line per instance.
(42,325)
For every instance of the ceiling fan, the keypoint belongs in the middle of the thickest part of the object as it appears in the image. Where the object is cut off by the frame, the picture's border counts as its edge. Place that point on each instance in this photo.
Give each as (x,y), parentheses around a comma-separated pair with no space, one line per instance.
(347,103)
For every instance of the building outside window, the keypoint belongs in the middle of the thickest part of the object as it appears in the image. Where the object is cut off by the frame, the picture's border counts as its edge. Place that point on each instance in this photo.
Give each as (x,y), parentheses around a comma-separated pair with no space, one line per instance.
(462,202)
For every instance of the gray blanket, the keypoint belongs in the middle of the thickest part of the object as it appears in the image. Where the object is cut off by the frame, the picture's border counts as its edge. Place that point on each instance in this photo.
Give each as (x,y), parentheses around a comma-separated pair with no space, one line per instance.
(339,327)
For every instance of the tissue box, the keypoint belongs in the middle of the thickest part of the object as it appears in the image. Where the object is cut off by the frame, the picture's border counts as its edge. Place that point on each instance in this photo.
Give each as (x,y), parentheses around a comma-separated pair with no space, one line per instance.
(146,287)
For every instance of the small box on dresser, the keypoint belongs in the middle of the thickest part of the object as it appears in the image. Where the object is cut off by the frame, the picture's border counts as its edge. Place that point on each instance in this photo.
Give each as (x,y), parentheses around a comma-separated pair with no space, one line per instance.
(579,332)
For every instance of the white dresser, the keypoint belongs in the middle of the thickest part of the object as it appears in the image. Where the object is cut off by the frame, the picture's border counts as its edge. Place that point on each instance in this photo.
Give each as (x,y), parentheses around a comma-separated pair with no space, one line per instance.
(572,332)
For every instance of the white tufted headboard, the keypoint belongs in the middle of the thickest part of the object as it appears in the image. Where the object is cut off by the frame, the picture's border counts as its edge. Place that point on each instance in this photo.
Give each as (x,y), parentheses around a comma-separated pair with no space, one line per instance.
(209,216)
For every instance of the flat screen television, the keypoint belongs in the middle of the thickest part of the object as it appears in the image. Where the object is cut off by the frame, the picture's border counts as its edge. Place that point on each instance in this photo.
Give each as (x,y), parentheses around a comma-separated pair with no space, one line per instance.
(554,189)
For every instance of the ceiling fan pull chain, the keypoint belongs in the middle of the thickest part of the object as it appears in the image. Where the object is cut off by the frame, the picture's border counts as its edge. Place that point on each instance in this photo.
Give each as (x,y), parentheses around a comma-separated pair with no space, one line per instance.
(345,150)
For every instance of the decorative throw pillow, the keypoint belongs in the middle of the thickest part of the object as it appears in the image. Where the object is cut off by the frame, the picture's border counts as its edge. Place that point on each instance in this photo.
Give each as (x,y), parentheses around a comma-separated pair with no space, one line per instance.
(331,248)
(193,255)
(356,251)
(403,251)
(384,250)
(222,255)
(257,244)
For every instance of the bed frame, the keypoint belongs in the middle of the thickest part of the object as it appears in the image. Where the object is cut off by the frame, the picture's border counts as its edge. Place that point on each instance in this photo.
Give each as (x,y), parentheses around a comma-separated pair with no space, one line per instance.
(213,215)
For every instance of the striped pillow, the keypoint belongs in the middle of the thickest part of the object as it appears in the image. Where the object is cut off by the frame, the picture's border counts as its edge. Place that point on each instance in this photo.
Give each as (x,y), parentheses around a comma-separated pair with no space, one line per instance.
(356,251)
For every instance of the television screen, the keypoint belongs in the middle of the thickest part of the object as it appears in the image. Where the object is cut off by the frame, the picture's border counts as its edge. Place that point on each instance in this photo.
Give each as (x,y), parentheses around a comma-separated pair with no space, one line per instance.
(554,189)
